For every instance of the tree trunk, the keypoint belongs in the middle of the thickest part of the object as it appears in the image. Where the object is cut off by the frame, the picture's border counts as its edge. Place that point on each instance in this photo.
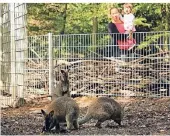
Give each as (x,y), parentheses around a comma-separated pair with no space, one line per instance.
(95,29)
(95,25)
(64,19)
(167,28)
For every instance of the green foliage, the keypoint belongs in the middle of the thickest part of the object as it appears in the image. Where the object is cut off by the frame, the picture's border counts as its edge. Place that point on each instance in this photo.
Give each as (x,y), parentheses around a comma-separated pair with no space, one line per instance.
(49,17)
(142,22)
(78,18)
(150,39)
(44,18)
(156,38)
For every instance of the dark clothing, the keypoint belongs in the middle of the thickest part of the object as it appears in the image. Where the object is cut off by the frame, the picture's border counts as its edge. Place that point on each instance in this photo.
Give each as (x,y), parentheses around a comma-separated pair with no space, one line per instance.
(112,29)
(115,34)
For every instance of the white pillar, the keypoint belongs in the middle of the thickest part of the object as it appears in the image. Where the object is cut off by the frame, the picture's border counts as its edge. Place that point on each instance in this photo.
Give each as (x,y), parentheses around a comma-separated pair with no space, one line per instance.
(50,46)
(20,43)
(0,43)
(13,49)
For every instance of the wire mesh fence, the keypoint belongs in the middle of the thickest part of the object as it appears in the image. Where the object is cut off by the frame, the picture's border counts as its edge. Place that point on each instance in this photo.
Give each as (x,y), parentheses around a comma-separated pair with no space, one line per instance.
(97,65)
(36,65)
(12,45)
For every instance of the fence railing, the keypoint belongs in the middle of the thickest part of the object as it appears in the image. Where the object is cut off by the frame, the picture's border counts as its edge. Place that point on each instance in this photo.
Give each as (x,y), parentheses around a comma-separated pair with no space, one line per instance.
(97,65)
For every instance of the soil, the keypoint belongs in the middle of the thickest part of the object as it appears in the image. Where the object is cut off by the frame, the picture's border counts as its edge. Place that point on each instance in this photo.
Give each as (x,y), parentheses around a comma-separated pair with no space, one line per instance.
(143,116)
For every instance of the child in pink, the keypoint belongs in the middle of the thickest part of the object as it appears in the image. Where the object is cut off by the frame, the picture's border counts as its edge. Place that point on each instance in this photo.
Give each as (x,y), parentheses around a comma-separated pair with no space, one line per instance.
(128,20)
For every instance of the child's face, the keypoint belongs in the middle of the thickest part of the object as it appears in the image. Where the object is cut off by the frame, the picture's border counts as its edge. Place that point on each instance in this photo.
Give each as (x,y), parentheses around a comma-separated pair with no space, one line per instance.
(127,10)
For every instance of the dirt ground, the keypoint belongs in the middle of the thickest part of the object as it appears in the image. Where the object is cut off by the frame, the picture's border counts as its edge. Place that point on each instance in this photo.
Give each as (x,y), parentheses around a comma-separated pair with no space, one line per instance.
(143,116)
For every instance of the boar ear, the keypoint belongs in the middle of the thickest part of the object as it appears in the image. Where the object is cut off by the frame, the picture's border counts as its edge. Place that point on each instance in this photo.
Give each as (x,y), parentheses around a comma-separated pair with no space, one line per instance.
(51,113)
(63,71)
(68,70)
(43,112)
(62,75)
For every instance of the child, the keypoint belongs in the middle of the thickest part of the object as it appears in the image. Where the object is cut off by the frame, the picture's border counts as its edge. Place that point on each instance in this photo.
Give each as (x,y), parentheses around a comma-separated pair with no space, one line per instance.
(128,20)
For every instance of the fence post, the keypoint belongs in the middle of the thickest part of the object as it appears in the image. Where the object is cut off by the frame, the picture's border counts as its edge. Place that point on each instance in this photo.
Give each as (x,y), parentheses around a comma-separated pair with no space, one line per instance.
(20,43)
(13,50)
(1,84)
(50,44)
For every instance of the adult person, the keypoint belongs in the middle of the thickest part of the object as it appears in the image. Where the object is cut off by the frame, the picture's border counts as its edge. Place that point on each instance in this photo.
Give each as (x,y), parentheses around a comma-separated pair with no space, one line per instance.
(119,39)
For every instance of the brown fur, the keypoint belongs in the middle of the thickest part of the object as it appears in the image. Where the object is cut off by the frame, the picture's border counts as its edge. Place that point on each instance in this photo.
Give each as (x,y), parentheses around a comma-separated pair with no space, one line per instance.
(62,88)
(102,109)
(65,110)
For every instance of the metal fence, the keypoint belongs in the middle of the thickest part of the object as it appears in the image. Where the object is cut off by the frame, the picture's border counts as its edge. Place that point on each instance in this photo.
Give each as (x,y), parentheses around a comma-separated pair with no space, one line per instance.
(12,45)
(97,66)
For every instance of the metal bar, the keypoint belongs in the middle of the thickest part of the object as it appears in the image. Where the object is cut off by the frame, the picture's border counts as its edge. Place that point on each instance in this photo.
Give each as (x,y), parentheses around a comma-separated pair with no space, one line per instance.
(50,46)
